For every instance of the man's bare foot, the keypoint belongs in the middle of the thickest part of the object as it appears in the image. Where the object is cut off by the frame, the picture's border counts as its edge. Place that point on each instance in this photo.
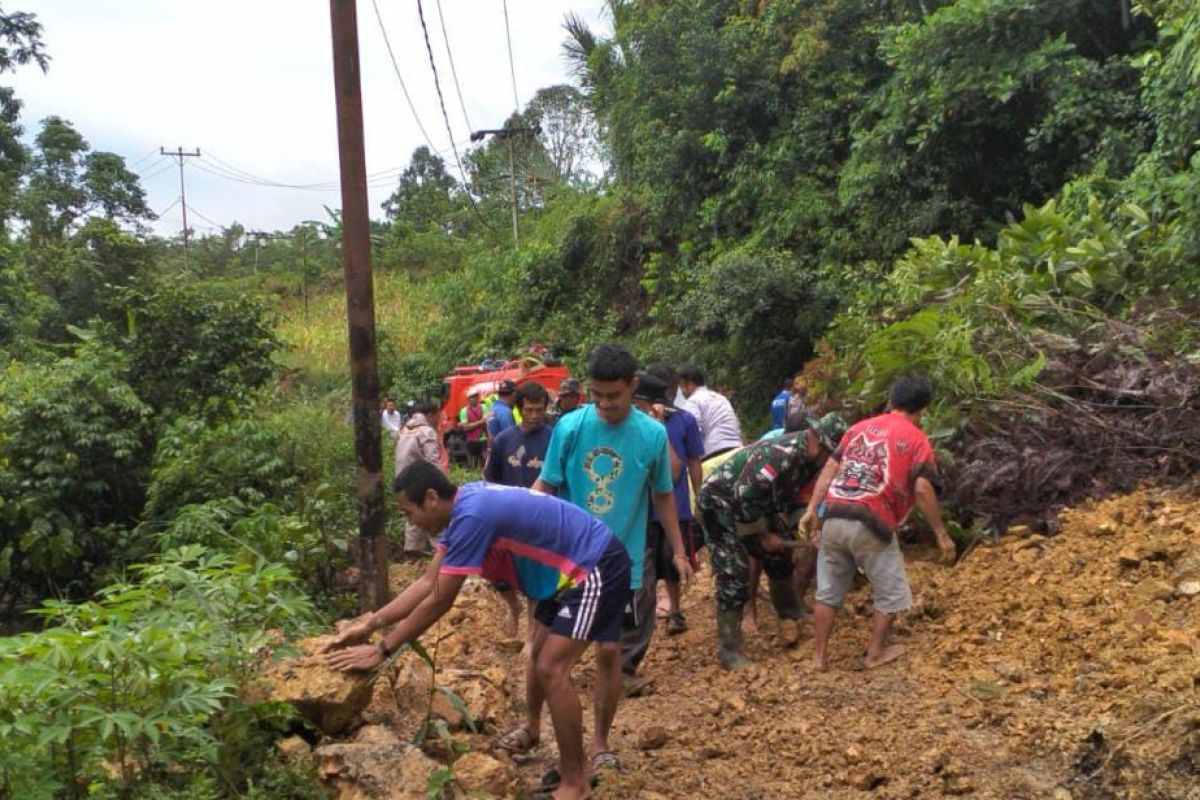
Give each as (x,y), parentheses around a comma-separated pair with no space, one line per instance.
(886,656)
(750,621)
(820,663)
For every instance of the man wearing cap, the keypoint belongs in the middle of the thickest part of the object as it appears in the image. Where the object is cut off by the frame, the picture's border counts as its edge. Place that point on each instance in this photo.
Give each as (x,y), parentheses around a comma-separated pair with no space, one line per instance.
(744,507)
(570,394)
(501,417)
(472,421)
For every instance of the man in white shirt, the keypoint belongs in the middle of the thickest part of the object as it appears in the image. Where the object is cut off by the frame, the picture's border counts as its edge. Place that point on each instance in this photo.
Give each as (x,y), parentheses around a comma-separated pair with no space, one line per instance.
(392,421)
(719,425)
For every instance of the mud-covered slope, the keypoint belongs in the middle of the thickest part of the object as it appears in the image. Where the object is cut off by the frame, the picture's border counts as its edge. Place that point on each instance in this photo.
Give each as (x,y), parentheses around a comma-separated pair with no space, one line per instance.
(1038,667)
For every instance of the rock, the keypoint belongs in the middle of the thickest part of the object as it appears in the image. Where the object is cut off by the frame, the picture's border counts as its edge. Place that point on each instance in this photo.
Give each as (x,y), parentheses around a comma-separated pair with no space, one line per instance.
(479,772)
(1061,793)
(1152,589)
(711,752)
(328,699)
(1107,528)
(853,754)
(294,750)
(1020,531)
(483,698)
(1128,556)
(390,771)
(959,786)
(1188,588)
(653,738)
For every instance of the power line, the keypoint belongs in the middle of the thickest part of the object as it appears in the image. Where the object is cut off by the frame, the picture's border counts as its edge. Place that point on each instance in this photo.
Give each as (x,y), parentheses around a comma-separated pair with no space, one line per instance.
(511,69)
(140,160)
(453,72)
(196,211)
(437,84)
(396,68)
(161,168)
(174,203)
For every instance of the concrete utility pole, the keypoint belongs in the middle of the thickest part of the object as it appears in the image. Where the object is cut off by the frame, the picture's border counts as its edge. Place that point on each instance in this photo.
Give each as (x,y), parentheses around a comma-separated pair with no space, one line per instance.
(360,308)
(179,154)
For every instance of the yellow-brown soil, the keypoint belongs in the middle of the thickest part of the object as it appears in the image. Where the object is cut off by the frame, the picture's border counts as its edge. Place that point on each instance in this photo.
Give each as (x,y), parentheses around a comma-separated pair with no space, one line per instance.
(1036,668)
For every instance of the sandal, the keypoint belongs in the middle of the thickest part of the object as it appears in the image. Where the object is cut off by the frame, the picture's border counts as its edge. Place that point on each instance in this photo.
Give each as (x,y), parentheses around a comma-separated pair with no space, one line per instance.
(551,779)
(518,740)
(606,759)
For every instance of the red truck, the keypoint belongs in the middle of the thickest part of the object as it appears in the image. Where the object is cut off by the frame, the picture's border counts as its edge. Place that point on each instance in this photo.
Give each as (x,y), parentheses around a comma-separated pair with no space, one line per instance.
(521,370)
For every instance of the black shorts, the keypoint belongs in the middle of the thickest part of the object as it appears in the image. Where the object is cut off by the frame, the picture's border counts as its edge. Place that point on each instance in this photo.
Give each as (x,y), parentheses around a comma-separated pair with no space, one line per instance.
(593,610)
(659,546)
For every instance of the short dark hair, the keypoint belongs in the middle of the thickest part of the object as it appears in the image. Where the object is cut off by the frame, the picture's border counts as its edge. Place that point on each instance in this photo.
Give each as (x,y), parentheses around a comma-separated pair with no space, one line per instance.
(692,374)
(796,421)
(389,399)
(665,373)
(531,391)
(418,478)
(611,362)
(427,407)
(911,393)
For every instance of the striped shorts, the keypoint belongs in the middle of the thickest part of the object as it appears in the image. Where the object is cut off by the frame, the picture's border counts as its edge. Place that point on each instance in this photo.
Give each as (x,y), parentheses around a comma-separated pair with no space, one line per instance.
(593,610)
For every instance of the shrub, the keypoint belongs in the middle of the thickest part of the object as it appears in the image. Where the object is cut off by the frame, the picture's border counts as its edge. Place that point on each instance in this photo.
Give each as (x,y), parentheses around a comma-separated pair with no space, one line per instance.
(150,678)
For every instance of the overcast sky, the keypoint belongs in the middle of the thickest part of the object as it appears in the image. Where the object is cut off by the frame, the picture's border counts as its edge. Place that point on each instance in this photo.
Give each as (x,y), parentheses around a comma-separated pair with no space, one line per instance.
(251,83)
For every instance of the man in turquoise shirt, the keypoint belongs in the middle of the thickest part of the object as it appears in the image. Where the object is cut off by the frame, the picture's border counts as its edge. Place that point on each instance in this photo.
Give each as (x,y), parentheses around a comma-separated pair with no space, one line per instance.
(612,460)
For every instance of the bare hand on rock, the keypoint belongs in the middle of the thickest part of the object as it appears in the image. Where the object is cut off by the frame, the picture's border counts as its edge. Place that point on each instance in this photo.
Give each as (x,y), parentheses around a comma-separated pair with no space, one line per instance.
(360,658)
(349,632)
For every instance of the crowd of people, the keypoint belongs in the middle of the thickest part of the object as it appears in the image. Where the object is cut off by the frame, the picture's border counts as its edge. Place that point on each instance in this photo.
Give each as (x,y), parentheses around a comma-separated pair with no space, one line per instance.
(586,508)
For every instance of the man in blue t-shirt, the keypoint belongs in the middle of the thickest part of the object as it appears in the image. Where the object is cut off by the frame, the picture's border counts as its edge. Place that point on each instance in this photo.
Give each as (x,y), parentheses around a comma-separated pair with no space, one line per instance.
(559,556)
(687,446)
(611,459)
(501,416)
(779,405)
(516,460)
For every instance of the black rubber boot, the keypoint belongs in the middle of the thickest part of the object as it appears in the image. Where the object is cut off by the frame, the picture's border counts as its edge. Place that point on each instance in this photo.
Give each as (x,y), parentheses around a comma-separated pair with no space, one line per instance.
(729,639)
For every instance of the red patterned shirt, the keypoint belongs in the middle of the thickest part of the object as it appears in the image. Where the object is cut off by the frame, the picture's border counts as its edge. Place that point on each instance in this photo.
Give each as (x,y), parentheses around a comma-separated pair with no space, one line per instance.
(879,461)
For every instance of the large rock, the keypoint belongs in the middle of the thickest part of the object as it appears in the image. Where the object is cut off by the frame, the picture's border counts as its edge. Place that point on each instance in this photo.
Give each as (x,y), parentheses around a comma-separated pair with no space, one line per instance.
(484,693)
(478,772)
(328,699)
(380,768)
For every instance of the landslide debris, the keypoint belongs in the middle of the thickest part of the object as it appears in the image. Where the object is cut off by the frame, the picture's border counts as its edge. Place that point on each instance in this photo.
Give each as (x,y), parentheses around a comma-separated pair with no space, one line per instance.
(1039,667)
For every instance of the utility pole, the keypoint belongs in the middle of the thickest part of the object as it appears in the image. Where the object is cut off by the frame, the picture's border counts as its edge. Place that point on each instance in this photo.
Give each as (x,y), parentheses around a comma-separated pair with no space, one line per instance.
(508,133)
(179,154)
(360,307)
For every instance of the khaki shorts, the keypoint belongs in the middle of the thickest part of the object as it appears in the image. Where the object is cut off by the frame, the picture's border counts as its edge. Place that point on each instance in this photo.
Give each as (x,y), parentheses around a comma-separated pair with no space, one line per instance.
(847,544)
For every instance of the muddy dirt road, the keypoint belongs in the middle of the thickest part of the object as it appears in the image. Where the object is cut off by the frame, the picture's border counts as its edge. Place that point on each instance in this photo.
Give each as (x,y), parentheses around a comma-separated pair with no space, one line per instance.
(1058,668)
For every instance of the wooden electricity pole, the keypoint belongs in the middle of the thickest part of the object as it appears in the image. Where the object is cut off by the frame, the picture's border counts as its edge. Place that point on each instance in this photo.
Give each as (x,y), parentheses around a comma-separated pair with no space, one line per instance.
(180,154)
(360,308)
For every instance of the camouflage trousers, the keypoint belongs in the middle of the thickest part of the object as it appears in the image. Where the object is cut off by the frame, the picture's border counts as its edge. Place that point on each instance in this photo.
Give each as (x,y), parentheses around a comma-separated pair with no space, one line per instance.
(730,555)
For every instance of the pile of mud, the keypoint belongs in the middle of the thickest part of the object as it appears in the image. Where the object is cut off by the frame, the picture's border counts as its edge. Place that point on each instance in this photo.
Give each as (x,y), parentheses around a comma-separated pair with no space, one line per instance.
(1063,667)
(1114,406)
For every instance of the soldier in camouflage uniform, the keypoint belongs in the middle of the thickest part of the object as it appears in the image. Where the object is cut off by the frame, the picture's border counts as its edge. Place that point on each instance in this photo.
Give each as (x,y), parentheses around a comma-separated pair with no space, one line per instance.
(744,507)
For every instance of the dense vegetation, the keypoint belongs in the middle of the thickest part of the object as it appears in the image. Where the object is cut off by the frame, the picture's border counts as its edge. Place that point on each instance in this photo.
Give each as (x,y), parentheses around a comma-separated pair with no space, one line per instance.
(1005,193)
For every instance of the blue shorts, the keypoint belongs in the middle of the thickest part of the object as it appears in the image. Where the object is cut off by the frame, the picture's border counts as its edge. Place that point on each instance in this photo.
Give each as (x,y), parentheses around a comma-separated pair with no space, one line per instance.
(593,610)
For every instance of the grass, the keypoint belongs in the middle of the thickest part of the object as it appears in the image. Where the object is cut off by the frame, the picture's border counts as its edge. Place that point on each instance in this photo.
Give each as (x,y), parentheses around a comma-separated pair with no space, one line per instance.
(316,343)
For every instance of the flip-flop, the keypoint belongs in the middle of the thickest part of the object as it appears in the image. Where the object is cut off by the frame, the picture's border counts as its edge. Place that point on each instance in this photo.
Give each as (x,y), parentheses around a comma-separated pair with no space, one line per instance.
(551,779)
(606,759)
(891,653)
(518,740)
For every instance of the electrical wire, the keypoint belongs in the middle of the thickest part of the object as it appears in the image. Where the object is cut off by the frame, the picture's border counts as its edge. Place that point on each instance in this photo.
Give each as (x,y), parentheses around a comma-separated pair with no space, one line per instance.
(174,203)
(396,68)
(196,211)
(161,169)
(437,84)
(511,69)
(140,161)
(453,72)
